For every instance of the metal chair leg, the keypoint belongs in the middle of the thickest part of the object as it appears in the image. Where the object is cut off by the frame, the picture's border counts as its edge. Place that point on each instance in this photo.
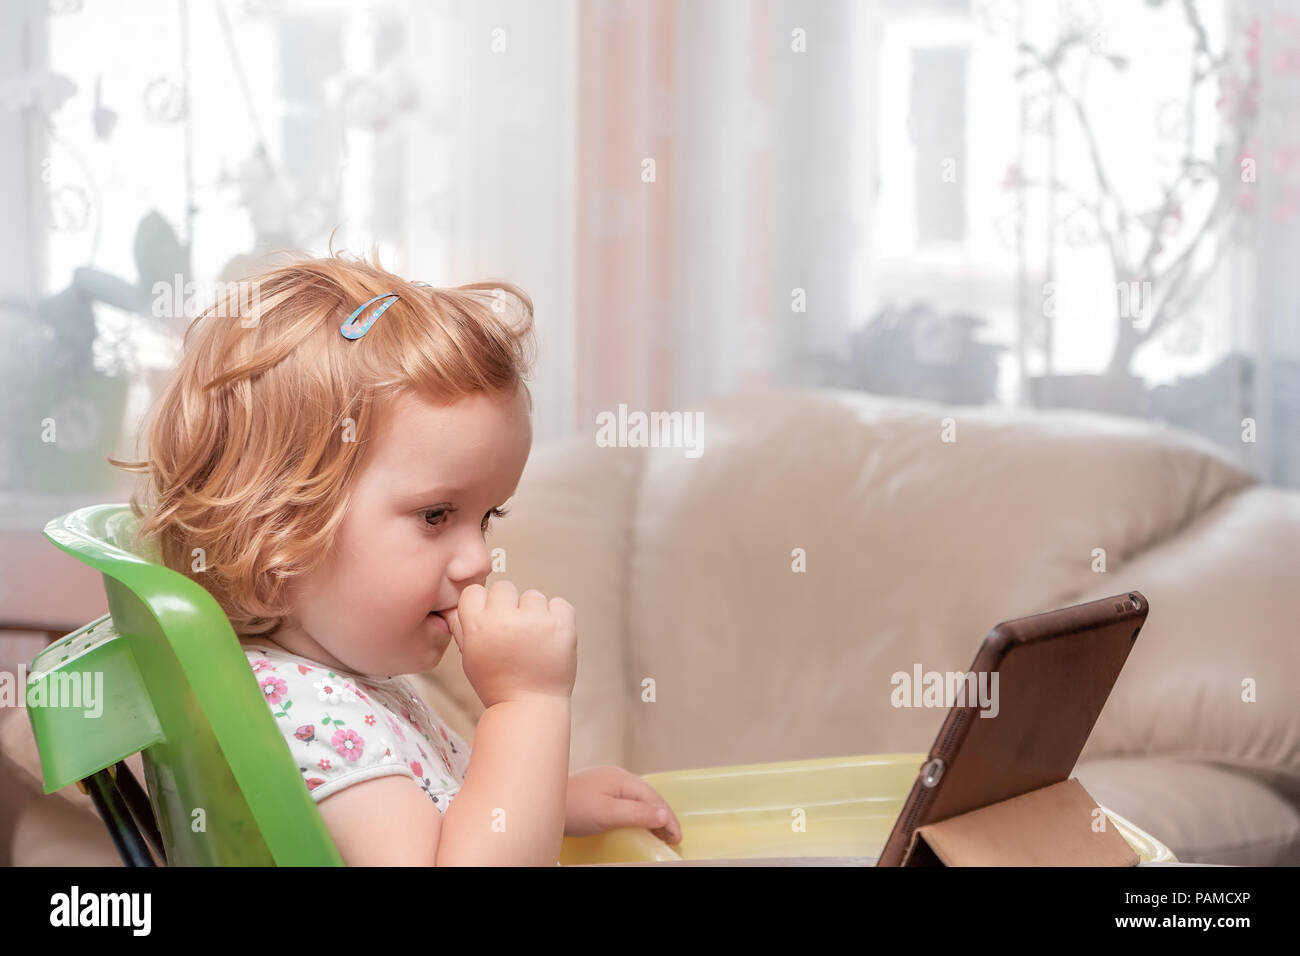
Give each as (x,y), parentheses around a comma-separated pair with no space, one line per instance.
(112,809)
(137,801)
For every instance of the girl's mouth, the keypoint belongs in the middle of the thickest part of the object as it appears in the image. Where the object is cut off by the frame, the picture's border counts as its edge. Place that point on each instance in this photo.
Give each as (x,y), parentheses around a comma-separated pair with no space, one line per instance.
(446,615)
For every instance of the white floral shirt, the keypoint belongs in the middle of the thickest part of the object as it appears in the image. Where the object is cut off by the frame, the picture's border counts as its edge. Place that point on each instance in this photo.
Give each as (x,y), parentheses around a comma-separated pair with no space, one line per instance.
(344,728)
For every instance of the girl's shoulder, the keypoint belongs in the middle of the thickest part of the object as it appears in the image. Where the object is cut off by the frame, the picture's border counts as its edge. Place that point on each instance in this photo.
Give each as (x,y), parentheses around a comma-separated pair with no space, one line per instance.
(301,676)
(394,694)
(365,715)
(273,663)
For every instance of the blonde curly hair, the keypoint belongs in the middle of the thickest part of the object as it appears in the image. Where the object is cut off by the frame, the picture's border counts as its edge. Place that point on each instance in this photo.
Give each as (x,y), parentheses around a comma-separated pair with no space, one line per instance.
(256,442)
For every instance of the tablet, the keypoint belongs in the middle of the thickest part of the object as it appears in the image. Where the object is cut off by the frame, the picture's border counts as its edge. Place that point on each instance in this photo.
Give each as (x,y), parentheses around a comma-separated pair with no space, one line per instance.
(1022,713)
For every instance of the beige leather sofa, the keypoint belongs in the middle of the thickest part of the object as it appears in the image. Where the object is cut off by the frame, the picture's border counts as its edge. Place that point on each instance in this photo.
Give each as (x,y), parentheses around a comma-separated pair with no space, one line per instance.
(682,572)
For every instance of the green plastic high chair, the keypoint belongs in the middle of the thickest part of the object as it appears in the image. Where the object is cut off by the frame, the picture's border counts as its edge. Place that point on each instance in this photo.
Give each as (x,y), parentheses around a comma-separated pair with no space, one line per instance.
(223,787)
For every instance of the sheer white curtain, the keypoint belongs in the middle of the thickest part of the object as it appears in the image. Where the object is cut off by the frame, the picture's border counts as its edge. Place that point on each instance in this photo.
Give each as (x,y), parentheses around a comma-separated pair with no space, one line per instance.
(1265,322)
(757,118)
(487,185)
(661,176)
(697,195)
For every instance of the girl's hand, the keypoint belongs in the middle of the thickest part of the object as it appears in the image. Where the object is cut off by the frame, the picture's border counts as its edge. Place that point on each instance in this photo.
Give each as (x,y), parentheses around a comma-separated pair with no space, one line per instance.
(606,798)
(513,645)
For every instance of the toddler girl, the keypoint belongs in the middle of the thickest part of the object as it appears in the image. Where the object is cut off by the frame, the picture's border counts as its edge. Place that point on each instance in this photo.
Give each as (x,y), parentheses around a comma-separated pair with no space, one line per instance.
(326,463)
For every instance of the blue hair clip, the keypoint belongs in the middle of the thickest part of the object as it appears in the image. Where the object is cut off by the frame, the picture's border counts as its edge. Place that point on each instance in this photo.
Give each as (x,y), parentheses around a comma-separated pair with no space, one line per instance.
(354,328)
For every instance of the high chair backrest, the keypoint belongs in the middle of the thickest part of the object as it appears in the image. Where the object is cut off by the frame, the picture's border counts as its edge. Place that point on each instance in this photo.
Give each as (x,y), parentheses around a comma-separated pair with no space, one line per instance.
(177,688)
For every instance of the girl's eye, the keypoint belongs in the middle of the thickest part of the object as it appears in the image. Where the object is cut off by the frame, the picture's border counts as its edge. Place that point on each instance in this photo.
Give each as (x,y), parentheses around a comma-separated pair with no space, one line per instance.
(435,517)
(494,513)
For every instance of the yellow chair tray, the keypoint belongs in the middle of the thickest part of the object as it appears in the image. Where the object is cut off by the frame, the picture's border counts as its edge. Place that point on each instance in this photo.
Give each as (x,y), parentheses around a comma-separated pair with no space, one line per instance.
(827,807)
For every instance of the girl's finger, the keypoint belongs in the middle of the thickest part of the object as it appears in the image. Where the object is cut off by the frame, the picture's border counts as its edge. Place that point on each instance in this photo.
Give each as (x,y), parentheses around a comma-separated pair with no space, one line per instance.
(633,787)
(666,835)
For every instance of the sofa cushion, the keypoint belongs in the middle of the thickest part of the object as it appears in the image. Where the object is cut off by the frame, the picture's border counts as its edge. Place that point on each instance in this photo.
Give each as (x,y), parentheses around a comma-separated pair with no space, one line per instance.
(1203,813)
(914,547)
(1223,621)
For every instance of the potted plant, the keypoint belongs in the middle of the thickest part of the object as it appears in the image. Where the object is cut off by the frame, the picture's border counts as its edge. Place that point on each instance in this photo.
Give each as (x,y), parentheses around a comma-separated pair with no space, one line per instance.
(1155,255)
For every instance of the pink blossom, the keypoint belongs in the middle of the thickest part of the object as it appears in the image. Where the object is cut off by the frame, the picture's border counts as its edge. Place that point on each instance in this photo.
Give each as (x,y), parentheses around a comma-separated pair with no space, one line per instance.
(1286,157)
(1287,29)
(274,689)
(348,743)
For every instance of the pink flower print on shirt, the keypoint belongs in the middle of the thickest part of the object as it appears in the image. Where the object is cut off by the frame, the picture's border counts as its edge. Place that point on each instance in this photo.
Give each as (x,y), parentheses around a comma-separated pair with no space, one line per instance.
(324,764)
(275,689)
(348,743)
(424,782)
(397,728)
(262,664)
(443,730)
(370,720)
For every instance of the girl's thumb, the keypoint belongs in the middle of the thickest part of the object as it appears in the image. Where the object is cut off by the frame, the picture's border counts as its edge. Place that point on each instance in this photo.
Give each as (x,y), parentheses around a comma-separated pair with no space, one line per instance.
(452,618)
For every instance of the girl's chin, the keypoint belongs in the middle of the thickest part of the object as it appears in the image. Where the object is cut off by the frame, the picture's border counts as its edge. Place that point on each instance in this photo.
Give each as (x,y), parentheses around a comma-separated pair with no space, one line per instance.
(439,633)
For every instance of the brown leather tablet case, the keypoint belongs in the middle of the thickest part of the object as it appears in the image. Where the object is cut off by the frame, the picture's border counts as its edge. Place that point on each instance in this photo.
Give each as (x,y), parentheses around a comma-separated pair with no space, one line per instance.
(995,789)
(1057,825)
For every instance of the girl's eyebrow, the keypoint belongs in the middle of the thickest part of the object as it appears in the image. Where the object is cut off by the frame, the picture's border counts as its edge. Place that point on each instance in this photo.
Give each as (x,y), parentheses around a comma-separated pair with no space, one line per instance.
(446,493)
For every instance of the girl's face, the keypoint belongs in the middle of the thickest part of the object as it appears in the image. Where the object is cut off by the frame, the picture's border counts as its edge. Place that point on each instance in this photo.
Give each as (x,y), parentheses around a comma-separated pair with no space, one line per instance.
(412,538)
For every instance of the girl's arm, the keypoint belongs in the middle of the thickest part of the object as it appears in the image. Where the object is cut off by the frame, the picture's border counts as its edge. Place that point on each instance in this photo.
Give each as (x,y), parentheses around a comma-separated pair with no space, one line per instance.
(387,821)
(510,809)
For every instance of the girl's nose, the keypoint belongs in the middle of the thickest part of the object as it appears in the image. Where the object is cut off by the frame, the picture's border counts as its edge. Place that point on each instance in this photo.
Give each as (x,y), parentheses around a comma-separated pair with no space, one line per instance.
(472,563)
